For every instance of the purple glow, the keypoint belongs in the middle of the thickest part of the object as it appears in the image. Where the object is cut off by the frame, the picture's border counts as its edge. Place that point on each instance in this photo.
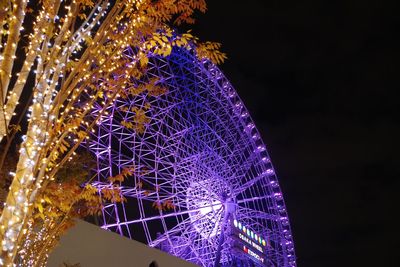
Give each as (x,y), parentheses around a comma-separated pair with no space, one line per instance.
(202,153)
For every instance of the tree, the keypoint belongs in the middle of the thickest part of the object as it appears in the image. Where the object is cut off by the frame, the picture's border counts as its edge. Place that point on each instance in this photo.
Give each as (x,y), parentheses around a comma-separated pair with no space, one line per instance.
(71,58)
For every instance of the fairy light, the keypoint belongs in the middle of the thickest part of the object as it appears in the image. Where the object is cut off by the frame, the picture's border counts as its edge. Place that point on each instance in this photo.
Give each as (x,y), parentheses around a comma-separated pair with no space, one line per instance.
(41,113)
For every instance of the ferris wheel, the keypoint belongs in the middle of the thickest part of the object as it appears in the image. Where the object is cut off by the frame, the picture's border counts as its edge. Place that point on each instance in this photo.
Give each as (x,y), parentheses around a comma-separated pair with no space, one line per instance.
(203,188)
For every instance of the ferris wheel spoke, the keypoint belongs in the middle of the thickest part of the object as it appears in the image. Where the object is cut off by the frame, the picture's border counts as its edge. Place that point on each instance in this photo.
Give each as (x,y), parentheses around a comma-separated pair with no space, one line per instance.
(196,219)
(253,199)
(256,214)
(197,234)
(175,230)
(184,228)
(177,200)
(215,220)
(249,183)
(240,149)
(180,200)
(162,216)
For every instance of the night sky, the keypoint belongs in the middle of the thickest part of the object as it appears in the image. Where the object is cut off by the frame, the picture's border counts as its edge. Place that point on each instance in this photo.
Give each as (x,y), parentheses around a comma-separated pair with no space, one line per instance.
(318,78)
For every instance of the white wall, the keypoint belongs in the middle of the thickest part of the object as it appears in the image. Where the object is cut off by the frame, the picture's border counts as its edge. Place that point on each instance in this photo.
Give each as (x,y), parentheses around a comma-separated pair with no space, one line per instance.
(92,246)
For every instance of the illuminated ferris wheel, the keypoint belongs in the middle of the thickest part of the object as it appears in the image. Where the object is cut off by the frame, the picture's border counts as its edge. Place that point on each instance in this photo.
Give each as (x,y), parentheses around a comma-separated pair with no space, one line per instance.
(203,188)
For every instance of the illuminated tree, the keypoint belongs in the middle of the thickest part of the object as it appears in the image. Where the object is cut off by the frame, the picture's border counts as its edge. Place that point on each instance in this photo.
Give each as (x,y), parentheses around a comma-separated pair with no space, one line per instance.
(69,58)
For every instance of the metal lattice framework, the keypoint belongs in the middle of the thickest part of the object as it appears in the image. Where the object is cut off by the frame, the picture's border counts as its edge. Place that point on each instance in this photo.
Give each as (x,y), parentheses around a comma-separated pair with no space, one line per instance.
(202,157)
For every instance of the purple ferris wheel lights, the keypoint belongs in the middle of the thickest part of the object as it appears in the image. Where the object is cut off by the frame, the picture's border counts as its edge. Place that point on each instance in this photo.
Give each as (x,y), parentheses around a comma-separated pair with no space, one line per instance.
(202,172)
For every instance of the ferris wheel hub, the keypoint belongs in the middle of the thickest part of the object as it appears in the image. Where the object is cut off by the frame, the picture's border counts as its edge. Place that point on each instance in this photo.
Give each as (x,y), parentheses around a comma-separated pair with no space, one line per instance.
(230,206)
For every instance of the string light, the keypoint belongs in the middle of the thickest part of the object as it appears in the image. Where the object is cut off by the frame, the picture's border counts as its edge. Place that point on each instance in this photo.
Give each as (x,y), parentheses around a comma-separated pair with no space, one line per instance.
(93,53)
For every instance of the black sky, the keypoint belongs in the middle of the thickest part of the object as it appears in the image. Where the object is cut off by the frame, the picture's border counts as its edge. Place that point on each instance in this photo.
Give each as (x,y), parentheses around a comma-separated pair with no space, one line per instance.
(318,78)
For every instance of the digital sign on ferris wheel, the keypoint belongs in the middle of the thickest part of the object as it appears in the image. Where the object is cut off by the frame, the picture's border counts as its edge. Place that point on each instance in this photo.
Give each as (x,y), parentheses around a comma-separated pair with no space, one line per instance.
(250,243)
